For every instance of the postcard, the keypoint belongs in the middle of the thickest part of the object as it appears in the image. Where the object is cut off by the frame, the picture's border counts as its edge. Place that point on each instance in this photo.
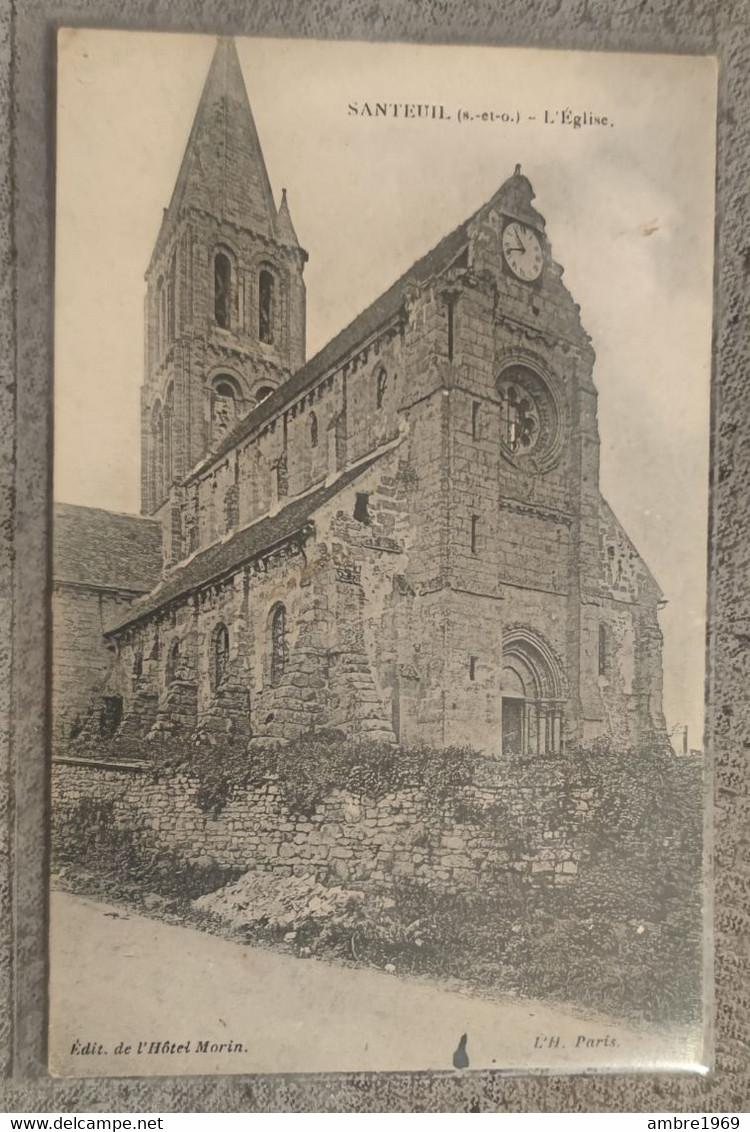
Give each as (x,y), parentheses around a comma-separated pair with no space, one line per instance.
(379,557)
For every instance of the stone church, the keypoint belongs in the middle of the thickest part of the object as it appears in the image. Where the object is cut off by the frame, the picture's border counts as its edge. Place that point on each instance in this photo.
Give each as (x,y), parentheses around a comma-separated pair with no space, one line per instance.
(402,537)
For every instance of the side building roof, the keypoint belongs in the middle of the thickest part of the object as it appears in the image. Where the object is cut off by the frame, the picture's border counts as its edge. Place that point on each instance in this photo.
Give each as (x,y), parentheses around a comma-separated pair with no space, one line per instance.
(105,549)
(226,557)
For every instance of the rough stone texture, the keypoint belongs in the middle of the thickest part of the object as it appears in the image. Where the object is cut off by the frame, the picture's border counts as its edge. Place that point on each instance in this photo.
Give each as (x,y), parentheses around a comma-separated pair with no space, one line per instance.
(668,25)
(468,468)
(368,843)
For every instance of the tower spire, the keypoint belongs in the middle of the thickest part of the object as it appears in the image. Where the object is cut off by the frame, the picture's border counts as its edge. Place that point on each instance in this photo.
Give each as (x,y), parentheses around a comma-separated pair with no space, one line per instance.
(284,226)
(223,171)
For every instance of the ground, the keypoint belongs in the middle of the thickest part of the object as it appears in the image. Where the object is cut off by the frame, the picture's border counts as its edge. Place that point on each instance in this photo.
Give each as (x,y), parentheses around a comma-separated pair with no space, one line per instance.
(119,979)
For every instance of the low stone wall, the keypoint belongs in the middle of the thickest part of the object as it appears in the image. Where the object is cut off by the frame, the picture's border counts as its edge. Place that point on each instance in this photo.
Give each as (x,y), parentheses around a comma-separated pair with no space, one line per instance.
(533,827)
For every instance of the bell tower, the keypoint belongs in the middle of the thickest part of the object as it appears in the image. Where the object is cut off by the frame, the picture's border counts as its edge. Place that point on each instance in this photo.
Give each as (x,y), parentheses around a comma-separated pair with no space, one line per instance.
(225,295)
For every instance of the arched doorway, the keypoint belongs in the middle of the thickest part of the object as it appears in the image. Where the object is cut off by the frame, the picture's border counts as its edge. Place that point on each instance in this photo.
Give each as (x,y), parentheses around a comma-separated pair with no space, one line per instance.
(533,696)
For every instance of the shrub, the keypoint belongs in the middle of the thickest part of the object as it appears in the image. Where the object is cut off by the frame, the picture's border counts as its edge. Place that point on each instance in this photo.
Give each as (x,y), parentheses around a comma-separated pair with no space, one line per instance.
(85,836)
(312,767)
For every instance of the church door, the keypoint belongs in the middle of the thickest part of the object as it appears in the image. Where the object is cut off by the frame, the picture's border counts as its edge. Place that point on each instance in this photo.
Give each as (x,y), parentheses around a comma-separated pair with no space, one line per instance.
(514,711)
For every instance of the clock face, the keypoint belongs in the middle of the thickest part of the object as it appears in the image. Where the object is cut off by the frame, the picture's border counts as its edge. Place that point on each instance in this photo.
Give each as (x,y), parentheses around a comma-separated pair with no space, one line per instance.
(522,251)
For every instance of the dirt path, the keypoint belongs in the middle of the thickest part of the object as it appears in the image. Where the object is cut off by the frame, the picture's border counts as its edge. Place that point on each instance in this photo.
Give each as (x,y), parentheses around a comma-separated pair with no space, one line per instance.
(119,979)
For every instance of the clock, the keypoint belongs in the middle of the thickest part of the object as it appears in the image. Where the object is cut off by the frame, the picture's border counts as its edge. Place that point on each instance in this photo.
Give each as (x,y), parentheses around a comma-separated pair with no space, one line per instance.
(522,251)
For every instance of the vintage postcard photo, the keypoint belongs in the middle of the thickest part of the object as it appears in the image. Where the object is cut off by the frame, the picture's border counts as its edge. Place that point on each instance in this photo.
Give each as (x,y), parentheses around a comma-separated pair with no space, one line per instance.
(382,381)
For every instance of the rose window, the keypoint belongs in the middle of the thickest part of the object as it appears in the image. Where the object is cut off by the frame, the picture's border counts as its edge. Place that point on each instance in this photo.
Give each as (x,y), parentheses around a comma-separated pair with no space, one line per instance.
(519,418)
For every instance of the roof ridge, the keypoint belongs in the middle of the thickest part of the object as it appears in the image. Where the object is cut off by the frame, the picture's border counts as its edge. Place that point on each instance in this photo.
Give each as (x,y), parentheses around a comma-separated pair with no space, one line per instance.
(57,503)
(216,560)
(338,346)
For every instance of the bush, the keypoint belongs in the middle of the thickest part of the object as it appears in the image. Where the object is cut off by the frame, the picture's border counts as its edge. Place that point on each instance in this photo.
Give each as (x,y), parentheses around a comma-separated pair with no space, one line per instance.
(311,767)
(625,936)
(85,836)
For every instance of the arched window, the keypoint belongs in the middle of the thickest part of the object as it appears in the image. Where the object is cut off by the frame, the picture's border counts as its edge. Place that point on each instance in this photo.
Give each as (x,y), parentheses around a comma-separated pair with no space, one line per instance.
(161,320)
(173,660)
(263,392)
(313,423)
(157,454)
(110,716)
(223,408)
(219,655)
(266,313)
(168,436)
(171,298)
(278,644)
(222,289)
(381,385)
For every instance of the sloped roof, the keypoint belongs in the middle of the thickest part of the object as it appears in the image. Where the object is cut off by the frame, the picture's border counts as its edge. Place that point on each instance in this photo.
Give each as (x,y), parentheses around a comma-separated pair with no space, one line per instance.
(607,515)
(224,557)
(357,332)
(105,549)
(223,171)
(514,197)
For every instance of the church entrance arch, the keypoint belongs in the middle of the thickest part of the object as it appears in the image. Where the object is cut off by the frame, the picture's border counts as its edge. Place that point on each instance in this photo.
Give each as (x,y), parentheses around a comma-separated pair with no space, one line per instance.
(533,695)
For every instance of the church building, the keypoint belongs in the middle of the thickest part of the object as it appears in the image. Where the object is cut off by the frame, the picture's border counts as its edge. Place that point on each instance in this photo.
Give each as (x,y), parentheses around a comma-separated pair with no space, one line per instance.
(402,537)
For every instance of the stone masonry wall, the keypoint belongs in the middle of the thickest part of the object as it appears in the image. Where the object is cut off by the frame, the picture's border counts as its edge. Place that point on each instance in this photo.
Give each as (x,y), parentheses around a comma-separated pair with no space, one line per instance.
(348,838)
(81,659)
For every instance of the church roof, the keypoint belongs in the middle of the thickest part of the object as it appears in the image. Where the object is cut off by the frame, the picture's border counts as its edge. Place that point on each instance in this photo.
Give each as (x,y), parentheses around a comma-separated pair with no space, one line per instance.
(514,197)
(608,519)
(378,314)
(105,549)
(223,170)
(227,556)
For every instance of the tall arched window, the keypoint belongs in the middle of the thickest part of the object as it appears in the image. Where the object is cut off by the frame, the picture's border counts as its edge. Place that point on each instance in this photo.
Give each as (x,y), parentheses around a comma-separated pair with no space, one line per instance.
(171,298)
(266,298)
(157,454)
(381,385)
(222,289)
(161,320)
(219,655)
(313,423)
(278,643)
(168,437)
(262,393)
(223,408)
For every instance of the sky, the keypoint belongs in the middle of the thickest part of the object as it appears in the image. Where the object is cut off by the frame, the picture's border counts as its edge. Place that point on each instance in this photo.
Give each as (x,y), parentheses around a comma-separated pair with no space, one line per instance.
(629,207)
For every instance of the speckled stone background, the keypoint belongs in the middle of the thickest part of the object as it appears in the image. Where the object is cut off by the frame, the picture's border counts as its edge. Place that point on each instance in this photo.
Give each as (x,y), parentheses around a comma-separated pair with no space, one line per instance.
(27,84)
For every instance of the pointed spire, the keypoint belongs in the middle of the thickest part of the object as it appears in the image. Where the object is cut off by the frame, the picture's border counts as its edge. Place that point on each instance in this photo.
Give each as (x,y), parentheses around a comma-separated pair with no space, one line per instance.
(223,170)
(284,226)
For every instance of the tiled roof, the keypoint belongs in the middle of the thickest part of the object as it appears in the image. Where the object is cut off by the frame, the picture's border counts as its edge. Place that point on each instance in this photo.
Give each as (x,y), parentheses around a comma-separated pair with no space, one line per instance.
(105,549)
(227,556)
